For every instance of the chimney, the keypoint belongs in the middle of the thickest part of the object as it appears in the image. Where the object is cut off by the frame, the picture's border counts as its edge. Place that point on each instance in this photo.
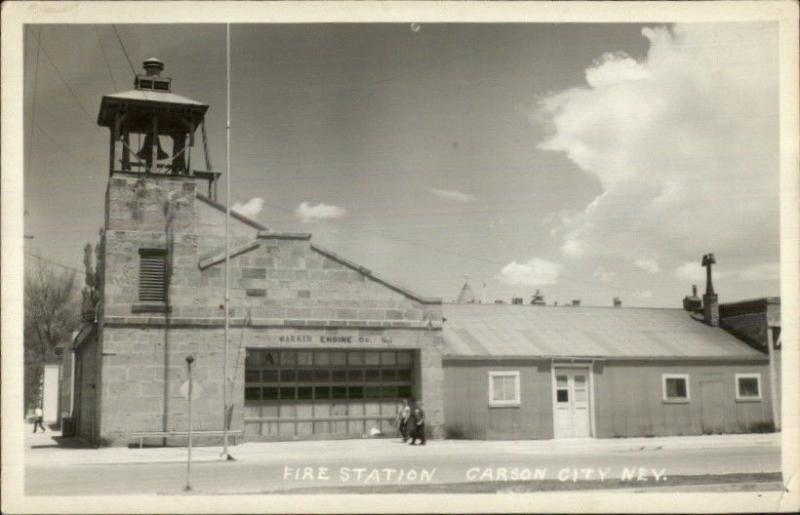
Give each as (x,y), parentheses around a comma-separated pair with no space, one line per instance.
(576,302)
(617,302)
(710,299)
(692,303)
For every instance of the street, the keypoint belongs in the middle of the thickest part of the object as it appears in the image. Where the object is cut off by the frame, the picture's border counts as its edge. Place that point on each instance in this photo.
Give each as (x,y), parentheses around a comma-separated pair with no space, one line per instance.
(386,465)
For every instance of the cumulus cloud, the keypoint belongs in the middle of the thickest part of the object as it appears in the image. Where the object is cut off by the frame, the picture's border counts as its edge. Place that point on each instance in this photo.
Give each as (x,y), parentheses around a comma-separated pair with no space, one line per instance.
(603,275)
(760,272)
(648,265)
(457,196)
(535,272)
(696,273)
(690,272)
(685,164)
(308,213)
(250,208)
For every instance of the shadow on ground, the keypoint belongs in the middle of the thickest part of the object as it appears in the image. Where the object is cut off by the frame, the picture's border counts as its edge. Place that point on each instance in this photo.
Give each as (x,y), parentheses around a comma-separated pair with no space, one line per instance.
(63,442)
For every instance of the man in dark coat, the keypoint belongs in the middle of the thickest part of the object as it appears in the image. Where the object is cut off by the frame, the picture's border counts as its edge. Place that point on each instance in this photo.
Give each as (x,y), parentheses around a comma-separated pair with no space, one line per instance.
(417,425)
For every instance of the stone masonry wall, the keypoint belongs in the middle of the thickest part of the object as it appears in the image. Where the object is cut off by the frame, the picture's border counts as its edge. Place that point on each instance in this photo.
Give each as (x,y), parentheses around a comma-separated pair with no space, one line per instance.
(278,283)
(136,385)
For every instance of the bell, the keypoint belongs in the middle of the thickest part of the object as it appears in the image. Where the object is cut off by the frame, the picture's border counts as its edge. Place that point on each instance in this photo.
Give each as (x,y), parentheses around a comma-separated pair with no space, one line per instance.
(146,152)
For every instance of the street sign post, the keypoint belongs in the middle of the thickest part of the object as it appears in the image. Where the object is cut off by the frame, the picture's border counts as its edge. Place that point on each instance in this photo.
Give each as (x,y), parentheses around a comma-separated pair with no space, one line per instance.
(189,361)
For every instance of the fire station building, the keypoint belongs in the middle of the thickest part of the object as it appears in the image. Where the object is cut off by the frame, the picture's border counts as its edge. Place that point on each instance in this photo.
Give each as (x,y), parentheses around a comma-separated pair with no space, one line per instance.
(320,347)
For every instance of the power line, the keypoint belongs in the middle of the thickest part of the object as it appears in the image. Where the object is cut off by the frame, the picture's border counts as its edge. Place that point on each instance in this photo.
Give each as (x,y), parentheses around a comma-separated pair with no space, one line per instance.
(33,109)
(55,263)
(91,161)
(105,59)
(133,70)
(69,88)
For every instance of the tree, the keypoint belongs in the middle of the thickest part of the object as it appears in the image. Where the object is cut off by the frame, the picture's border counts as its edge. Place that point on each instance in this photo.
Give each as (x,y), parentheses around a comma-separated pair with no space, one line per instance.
(90,295)
(51,315)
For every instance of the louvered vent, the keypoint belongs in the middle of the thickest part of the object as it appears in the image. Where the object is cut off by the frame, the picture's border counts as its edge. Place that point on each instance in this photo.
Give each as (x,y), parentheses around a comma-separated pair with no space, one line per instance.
(152,275)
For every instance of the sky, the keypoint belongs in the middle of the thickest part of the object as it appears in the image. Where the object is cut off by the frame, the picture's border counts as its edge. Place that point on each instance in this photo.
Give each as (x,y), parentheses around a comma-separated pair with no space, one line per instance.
(588,161)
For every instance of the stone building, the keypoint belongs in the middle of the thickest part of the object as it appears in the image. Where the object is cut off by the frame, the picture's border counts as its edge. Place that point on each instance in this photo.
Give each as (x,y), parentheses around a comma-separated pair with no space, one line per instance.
(319,347)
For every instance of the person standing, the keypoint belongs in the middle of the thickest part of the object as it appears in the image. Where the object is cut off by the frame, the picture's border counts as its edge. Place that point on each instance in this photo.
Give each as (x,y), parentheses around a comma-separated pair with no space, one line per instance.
(418,425)
(38,418)
(403,414)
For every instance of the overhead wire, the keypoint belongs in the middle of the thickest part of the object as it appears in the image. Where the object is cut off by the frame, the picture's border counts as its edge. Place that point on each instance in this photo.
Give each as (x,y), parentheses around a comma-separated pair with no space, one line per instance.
(33,107)
(124,51)
(64,81)
(105,59)
(55,263)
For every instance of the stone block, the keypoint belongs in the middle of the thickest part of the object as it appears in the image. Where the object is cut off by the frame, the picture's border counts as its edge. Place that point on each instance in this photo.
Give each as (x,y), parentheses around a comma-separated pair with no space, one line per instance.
(253,273)
(394,314)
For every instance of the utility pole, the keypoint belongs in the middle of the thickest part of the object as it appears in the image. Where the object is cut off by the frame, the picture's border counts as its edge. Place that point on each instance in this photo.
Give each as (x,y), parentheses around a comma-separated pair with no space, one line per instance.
(227,241)
(188,487)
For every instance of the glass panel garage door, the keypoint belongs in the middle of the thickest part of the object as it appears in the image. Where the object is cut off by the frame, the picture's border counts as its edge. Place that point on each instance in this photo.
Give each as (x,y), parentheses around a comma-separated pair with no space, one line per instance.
(324,392)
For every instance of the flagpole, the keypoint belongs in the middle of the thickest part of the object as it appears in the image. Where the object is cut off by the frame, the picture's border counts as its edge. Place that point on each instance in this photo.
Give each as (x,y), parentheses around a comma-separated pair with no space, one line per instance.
(227,238)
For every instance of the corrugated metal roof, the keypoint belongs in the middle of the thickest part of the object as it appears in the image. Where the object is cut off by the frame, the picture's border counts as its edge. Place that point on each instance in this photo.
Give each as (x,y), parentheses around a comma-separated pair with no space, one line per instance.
(474,330)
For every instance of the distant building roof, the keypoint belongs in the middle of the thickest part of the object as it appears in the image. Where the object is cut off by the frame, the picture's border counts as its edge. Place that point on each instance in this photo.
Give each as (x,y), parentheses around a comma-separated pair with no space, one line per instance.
(741,307)
(489,330)
(467,296)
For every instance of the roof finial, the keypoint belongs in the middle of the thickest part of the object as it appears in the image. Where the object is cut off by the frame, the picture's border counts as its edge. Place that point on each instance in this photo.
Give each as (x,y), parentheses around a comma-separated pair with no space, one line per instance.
(153,66)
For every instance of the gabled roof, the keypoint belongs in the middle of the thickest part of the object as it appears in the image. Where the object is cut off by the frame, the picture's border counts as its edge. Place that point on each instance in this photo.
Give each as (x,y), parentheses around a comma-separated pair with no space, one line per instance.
(221,208)
(491,330)
(466,296)
(219,256)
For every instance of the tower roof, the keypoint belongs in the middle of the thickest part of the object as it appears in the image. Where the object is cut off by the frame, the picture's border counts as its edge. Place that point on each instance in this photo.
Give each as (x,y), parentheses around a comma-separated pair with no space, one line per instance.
(152,96)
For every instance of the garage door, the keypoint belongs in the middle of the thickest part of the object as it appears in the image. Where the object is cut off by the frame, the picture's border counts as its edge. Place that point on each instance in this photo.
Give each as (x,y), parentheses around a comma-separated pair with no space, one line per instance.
(324,393)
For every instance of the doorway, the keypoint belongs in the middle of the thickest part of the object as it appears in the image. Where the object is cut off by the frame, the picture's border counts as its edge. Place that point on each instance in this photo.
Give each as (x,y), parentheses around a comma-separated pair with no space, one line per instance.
(572,402)
(711,408)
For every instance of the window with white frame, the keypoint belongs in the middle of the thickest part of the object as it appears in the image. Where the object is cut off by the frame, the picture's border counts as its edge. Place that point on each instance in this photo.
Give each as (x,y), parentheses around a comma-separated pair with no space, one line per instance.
(748,387)
(504,388)
(675,387)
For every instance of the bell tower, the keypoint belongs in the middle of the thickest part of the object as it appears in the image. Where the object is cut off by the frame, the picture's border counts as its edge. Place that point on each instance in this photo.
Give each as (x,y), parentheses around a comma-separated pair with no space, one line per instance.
(152,114)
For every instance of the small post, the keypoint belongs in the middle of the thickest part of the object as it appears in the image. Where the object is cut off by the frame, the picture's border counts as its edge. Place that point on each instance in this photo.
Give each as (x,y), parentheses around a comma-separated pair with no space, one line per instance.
(154,148)
(189,361)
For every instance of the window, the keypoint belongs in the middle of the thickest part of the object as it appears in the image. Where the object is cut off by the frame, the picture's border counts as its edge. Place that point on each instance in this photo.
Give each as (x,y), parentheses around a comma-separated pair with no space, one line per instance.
(152,275)
(675,387)
(748,387)
(503,389)
(291,376)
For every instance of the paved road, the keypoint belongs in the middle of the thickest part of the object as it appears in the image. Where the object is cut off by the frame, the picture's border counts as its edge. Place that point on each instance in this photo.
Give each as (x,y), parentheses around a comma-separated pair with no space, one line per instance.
(289,466)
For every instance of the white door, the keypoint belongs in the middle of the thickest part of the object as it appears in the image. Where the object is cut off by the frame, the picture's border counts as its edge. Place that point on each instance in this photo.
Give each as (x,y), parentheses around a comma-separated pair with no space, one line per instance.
(571,403)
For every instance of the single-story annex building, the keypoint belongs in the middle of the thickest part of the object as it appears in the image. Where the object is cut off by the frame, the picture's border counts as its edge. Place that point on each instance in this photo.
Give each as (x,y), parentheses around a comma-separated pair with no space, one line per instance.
(528,371)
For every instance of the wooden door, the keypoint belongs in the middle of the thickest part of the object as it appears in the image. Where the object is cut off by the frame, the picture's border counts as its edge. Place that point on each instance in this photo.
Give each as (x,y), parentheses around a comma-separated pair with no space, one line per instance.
(711,397)
(571,403)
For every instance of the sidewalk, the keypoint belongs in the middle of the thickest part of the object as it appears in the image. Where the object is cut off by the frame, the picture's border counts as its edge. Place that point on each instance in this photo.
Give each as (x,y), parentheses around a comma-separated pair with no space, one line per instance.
(44,449)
